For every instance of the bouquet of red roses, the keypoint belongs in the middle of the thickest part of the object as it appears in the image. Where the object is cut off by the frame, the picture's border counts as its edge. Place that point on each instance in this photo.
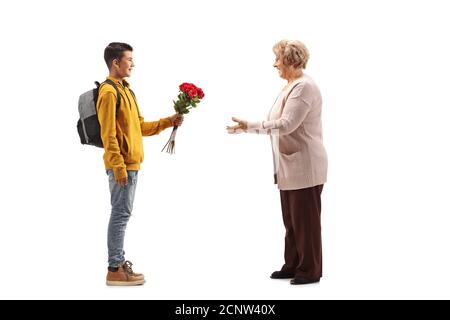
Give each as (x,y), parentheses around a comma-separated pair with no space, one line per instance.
(188,98)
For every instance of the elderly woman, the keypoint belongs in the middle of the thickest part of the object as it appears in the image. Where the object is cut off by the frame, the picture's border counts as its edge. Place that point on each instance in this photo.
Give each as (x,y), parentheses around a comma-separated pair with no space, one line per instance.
(300,161)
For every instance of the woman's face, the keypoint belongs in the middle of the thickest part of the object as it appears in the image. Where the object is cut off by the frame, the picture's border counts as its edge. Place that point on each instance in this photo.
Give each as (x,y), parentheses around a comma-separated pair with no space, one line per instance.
(282,69)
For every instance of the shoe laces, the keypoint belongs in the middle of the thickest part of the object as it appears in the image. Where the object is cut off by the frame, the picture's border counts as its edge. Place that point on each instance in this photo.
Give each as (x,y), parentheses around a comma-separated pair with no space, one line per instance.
(127,267)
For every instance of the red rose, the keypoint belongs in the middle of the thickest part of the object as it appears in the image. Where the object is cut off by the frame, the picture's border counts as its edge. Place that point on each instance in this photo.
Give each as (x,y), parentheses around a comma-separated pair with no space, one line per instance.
(191,90)
(200,93)
(185,87)
(192,93)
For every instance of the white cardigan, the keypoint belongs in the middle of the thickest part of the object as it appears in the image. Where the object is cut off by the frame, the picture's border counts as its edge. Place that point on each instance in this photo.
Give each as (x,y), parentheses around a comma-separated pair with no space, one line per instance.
(295,128)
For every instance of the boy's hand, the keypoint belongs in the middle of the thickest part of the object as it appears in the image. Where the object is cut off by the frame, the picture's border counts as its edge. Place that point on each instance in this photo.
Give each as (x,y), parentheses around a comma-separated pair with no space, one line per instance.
(122,182)
(176,119)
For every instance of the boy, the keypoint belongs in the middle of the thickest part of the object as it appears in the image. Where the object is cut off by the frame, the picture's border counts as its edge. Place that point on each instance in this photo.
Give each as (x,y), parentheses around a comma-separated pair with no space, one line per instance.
(122,140)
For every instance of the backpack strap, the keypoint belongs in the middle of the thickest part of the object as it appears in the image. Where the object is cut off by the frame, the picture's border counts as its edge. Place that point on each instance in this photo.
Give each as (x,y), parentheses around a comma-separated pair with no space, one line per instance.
(110,82)
(134,96)
(135,101)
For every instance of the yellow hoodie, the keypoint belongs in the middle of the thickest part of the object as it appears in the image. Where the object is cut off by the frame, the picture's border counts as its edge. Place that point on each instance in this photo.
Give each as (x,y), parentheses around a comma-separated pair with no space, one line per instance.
(122,135)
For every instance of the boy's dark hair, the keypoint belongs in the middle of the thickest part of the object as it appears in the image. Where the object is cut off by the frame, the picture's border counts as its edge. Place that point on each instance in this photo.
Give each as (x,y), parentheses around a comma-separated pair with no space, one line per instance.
(115,50)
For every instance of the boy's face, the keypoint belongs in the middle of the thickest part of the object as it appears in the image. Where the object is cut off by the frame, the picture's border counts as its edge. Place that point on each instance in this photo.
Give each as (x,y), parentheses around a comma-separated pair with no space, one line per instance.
(125,65)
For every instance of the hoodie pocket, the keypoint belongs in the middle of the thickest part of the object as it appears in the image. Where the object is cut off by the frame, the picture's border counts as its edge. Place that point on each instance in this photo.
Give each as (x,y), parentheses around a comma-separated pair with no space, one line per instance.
(125,146)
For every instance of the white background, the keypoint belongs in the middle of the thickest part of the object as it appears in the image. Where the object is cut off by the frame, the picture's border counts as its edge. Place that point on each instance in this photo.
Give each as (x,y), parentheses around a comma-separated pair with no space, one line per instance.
(207,221)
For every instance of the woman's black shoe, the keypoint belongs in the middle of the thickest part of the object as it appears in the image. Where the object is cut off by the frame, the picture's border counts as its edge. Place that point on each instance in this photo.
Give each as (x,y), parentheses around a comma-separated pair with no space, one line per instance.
(303,281)
(282,275)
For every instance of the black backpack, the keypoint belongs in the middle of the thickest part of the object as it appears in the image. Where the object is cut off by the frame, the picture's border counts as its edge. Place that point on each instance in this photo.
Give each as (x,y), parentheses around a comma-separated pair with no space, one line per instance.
(88,125)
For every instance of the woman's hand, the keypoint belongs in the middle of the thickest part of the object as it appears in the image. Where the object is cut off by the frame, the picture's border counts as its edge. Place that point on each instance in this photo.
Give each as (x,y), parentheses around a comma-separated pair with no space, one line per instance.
(239,128)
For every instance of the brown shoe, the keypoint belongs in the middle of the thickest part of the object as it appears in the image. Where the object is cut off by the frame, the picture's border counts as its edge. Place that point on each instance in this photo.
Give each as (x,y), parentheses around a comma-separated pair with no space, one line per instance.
(127,266)
(124,276)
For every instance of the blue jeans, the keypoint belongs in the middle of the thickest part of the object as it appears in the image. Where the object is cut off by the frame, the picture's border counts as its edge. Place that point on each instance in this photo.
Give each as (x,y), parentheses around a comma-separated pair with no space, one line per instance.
(121,206)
